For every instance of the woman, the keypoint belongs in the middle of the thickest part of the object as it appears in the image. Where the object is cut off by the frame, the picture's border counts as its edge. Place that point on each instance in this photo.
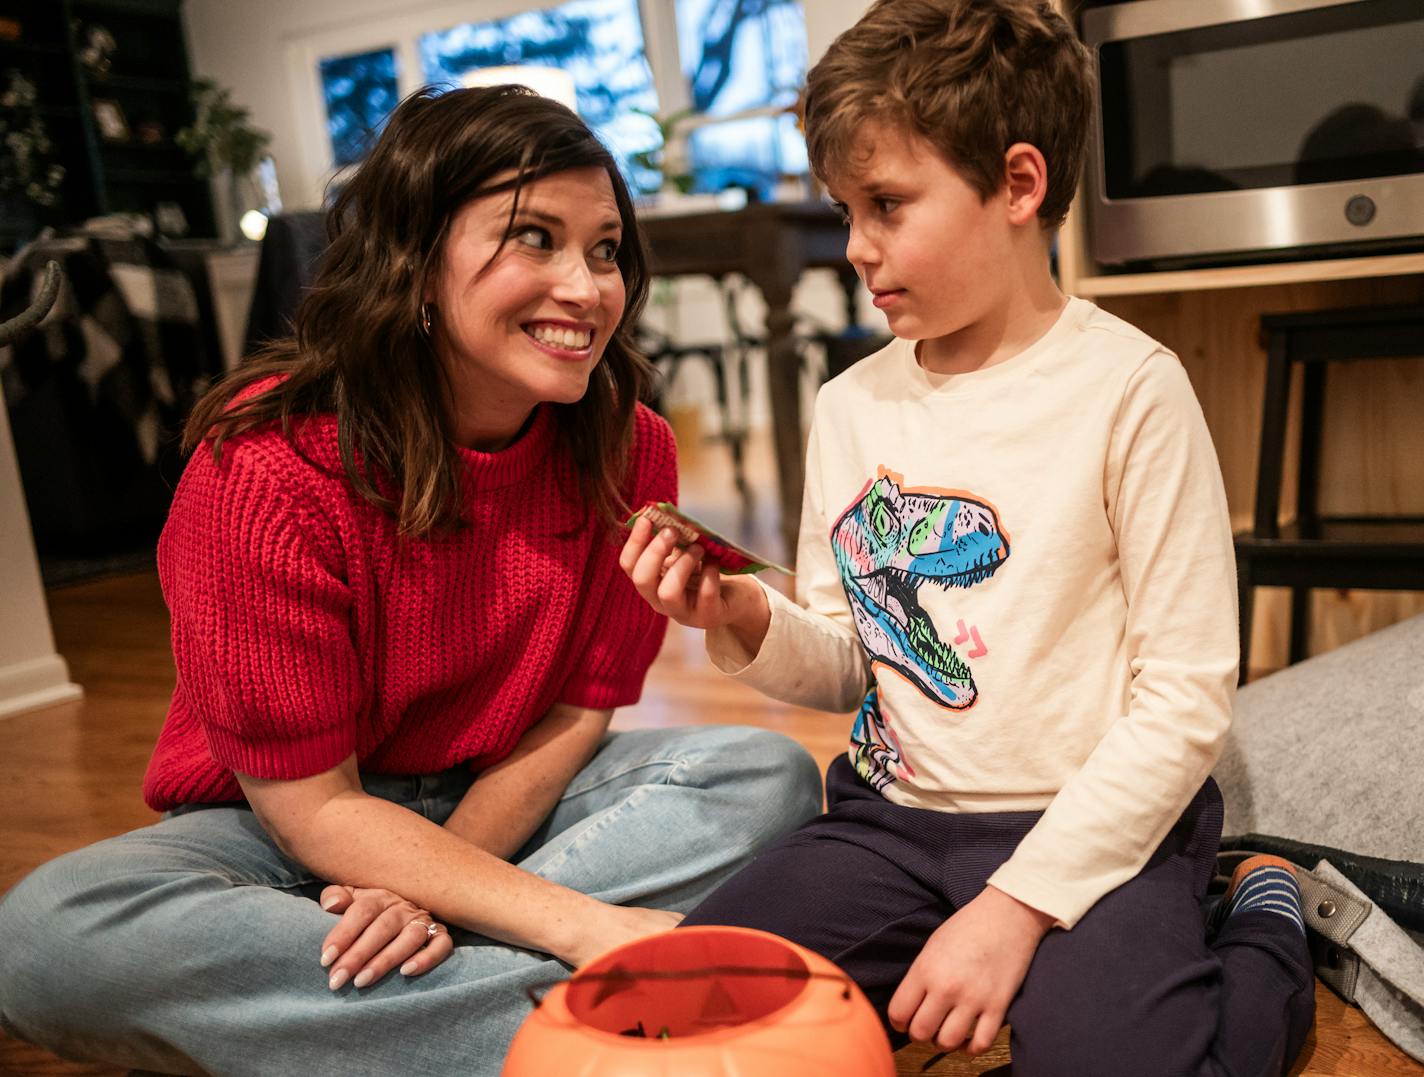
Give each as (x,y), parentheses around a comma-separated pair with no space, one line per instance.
(400,631)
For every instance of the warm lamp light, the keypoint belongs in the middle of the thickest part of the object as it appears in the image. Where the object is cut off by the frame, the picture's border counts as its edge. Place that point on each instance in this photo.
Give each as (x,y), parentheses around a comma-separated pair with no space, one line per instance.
(552,82)
(253,224)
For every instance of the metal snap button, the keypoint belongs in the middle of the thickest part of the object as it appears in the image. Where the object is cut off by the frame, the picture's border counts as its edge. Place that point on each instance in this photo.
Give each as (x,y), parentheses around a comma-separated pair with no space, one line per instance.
(1326,909)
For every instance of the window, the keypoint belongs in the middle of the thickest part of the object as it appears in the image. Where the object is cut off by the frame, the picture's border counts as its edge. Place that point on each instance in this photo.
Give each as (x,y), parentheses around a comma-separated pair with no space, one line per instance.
(360,91)
(599,42)
(739,57)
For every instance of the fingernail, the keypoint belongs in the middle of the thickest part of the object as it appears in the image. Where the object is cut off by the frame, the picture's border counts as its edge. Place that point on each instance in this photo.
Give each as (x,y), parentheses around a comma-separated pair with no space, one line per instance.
(407,968)
(329,902)
(328,956)
(338,978)
(363,977)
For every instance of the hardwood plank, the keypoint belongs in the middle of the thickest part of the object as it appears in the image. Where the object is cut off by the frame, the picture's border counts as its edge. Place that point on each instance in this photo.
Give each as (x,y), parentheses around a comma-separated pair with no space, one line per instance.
(26,1060)
(921,1059)
(1344,1043)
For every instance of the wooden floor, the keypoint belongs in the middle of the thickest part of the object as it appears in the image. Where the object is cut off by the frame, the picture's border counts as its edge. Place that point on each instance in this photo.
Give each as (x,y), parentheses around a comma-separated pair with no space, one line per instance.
(69,775)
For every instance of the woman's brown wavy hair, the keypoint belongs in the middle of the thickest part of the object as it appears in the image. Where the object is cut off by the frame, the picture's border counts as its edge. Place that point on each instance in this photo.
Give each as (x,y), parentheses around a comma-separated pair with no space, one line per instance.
(358,353)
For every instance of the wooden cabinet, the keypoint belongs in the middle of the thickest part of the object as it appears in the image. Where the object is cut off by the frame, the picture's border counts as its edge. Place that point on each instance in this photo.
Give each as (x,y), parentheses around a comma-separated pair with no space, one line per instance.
(1373,443)
(111,84)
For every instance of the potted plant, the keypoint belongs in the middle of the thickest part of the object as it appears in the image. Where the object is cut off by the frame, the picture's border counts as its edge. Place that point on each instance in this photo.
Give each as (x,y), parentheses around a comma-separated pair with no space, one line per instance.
(227,148)
(667,168)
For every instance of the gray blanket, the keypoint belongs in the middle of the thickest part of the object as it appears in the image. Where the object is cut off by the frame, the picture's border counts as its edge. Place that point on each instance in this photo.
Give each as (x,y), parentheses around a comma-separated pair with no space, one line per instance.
(1330,754)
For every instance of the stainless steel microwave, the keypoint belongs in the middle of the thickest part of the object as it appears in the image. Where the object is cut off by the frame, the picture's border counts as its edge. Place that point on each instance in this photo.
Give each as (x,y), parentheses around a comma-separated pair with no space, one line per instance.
(1254,130)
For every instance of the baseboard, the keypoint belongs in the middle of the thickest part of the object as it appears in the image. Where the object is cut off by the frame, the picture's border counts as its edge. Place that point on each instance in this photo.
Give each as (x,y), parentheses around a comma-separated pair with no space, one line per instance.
(40,682)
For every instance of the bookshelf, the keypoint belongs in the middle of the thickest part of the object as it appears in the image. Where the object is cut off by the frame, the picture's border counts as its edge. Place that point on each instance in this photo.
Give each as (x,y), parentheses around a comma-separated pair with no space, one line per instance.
(111,85)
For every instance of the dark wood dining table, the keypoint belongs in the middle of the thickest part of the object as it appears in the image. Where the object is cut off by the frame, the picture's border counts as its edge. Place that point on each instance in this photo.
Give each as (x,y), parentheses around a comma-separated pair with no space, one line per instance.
(771,245)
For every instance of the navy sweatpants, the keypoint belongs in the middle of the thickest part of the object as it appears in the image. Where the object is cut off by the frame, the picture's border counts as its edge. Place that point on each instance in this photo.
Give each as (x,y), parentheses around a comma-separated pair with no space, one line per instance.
(1136,989)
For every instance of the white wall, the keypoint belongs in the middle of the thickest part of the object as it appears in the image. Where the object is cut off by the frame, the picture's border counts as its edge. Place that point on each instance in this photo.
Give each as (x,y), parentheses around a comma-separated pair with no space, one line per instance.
(827,18)
(32,675)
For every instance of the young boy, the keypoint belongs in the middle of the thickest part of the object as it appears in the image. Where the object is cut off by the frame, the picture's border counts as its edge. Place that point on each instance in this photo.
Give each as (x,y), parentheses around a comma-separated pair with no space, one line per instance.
(1015,537)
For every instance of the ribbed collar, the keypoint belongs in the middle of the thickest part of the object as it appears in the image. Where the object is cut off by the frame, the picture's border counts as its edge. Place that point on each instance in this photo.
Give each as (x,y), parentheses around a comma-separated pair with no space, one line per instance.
(1074,313)
(493,470)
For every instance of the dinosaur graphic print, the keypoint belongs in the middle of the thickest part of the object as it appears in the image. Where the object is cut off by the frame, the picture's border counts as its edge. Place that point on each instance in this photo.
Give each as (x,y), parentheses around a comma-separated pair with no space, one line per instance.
(888,544)
(877,756)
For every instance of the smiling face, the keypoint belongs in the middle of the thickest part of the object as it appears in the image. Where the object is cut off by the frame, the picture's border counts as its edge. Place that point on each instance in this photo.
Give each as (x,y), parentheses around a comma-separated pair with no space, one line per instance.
(523,310)
(937,258)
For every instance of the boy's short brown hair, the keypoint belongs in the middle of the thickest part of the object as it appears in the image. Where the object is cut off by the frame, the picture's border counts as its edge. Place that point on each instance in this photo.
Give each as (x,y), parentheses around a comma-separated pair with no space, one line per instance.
(970,76)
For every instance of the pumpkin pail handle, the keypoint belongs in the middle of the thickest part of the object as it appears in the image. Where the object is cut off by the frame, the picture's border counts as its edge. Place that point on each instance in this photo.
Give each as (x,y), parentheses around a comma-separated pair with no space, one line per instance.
(536,992)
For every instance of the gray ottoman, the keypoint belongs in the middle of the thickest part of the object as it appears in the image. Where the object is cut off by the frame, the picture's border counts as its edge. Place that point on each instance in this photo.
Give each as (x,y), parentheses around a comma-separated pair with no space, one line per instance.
(1326,761)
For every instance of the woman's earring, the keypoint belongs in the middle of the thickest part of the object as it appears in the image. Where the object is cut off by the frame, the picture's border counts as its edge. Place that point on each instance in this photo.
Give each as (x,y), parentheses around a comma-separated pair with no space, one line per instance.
(425,320)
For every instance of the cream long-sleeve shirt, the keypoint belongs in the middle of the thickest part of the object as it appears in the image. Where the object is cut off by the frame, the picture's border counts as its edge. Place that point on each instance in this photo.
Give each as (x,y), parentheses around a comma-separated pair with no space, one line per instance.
(1023,577)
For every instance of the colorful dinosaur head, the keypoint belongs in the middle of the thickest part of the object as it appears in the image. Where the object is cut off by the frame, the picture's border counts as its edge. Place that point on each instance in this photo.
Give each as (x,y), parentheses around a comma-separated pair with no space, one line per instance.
(890,543)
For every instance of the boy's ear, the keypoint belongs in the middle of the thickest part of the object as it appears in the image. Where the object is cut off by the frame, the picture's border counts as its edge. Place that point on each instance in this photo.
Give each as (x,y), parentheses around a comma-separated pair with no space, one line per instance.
(1026,181)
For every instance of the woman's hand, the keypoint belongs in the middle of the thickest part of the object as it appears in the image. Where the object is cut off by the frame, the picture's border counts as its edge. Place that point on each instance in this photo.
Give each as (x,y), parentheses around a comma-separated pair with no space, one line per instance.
(379,931)
(607,926)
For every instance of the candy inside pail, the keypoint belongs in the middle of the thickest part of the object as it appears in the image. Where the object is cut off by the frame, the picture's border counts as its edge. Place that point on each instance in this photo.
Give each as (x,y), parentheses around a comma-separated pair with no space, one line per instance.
(686,982)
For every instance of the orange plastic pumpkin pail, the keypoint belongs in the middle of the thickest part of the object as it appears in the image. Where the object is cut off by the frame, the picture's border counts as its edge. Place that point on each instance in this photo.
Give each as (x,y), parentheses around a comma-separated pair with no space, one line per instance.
(703,1002)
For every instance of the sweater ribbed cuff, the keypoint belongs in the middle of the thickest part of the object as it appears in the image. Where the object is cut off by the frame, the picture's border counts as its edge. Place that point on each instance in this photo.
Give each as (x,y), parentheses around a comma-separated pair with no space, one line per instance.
(602,695)
(296,755)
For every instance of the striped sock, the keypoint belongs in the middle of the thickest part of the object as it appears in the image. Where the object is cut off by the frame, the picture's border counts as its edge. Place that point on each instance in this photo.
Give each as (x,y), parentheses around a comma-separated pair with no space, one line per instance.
(1265,882)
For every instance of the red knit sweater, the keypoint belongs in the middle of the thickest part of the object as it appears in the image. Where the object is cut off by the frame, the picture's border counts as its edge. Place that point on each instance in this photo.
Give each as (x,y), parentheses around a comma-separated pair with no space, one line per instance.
(304,629)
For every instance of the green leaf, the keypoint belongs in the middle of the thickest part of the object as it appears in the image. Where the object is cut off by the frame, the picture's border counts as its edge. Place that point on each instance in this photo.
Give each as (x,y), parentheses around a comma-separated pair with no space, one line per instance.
(220,136)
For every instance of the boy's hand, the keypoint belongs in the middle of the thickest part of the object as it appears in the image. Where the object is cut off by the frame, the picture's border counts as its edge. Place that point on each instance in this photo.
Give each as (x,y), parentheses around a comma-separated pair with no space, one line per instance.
(679,585)
(970,969)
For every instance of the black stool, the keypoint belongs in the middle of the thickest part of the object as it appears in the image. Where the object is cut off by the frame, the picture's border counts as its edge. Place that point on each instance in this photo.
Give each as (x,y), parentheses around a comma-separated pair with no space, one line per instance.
(1370,552)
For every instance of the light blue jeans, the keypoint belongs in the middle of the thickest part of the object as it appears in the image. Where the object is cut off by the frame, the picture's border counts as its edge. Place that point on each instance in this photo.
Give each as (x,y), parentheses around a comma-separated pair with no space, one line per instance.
(192,945)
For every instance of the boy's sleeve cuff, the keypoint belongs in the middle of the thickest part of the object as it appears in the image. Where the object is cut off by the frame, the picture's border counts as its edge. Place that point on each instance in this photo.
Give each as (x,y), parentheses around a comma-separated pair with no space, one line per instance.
(1062,902)
(729,656)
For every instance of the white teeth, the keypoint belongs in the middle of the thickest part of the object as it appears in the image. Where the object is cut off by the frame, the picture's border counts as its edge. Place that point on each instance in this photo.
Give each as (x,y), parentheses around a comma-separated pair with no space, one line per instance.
(555,337)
